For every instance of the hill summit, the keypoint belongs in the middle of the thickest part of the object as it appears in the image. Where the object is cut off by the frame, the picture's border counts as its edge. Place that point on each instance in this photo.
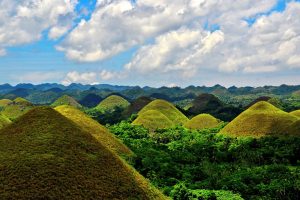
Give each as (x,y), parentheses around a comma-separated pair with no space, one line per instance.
(262,119)
(66,100)
(112,102)
(46,156)
(202,121)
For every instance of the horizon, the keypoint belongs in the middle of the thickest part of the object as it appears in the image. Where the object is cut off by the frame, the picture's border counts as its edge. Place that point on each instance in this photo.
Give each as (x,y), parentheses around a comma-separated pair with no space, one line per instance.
(130,42)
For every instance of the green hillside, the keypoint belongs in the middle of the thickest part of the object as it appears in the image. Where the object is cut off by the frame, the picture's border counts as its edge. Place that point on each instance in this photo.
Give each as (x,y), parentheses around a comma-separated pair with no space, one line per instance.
(261,119)
(44,155)
(296,113)
(66,100)
(4,121)
(95,129)
(5,102)
(111,102)
(202,121)
(166,108)
(137,105)
(17,108)
(152,120)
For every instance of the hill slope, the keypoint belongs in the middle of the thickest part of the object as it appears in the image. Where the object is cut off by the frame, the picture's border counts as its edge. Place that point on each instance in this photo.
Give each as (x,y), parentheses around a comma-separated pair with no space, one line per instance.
(5,102)
(66,100)
(262,119)
(94,128)
(4,121)
(202,121)
(90,100)
(111,102)
(46,156)
(17,108)
(296,113)
(153,119)
(166,108)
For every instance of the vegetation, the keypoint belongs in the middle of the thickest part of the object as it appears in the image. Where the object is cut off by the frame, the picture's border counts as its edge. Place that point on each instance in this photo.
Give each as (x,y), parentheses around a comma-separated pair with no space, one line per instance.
(5,102)
(112,102)
(90,100)
(152,120)
(91,126)
(16,109)
(261,119)
(201,164)
(4,121)
(202,121)
(66,100)
(167,109)
(296,113)
(44,155)
(136,106)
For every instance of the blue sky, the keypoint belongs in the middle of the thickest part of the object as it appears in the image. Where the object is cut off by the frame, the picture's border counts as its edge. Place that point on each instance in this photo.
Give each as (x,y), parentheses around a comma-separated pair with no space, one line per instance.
(116,42)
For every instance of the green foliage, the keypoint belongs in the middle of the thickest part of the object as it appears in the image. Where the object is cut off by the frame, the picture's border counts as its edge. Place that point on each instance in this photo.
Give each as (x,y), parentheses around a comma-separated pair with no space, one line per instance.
(44,155)
(5,102)
(16,108)
(209,163)
(108,116)
(4,121)
(112,102)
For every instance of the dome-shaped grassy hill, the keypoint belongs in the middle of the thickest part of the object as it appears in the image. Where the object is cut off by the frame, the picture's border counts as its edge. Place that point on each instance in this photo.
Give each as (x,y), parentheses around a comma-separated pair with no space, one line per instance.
(137,105)
(66,100)
(204,103)
(111,102)
(296,113)
(152,120)
(44,155)
(261,119)
(17,108)
(94,128)
(166,108)
(202,121)
(4,121)
(5,102)
(90,100)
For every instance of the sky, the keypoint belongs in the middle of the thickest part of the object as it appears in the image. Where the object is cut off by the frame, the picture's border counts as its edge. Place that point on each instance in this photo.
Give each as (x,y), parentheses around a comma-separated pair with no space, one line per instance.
(154,43)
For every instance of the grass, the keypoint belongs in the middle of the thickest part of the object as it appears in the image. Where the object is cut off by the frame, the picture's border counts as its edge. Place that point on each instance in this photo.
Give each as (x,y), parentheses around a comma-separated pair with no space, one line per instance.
(262,119)
(111,102)
(167,109)
(5,102)
(152,120)
(95,129)
(4,121)
(16,108)
(44,155)
(136,106)
(202,121)
(66,100)
(296,113)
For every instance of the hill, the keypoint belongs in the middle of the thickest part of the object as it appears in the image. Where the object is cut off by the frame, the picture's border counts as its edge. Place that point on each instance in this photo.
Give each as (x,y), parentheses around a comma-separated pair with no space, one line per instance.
(296,113)
(137,105)
(95,129)
(90,100)
(274,101)
(4,121)
(17,108)
(152,120)
(5,102)
(46,156)
(111,102)
(66,100)
(166,108)
(202,121)
(261,119)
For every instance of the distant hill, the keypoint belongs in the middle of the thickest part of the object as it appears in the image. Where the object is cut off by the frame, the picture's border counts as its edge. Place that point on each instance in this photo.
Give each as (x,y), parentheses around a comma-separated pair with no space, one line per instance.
(136,106)
(90,100)
(111,102)
(152,120)
(44,155)
(17,108)
(166,108)
(202,121)
(94,128)
(66,100)
(5,102)
(4,121)
(275,102)
(262,119)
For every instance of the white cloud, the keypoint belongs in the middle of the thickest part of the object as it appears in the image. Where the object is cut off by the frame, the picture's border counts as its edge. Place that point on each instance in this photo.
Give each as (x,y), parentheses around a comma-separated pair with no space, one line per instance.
(24,21)
(37,77)
(58,31)
(77,77)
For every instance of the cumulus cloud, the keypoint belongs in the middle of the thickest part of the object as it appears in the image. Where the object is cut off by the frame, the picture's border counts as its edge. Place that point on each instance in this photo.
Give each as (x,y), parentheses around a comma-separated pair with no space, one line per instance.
(24,21)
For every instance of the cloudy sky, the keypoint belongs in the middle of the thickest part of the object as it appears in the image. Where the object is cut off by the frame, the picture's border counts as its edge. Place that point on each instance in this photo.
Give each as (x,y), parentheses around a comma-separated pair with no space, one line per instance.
(150,42)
